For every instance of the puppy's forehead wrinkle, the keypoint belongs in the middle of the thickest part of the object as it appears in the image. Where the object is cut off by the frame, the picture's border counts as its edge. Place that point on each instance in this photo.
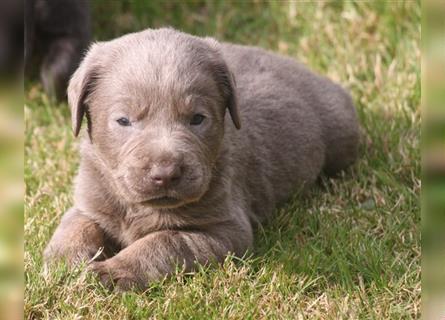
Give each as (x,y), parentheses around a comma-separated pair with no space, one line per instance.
(148,63)
(161,62)
(143,98)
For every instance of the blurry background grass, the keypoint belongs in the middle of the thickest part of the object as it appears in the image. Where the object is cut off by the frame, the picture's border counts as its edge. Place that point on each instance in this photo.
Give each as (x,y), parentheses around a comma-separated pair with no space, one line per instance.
(350,250)
(11,199)
(433,145)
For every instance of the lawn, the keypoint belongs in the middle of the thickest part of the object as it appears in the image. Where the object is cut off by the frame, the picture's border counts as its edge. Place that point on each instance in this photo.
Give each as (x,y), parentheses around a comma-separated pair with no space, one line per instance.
(348,250)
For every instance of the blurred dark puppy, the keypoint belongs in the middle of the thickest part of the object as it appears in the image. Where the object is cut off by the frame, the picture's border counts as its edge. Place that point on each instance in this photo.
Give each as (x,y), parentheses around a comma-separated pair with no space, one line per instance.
(11,37)
(57,33)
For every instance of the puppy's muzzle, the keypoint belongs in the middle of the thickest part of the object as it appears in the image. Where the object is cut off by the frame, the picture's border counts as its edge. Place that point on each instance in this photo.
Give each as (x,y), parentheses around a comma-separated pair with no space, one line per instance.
(165,174)
(157,177)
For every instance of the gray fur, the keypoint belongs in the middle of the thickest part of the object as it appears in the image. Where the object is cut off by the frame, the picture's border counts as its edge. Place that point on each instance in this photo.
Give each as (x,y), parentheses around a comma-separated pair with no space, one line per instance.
(293,125)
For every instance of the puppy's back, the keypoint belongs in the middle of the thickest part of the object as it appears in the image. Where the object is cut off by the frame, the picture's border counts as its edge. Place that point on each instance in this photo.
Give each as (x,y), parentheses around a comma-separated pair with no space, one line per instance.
(297,122)
(331,102)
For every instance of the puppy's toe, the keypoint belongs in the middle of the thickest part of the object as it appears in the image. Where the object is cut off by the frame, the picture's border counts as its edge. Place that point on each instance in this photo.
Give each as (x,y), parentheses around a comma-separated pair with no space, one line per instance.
(103,272)
(113,276)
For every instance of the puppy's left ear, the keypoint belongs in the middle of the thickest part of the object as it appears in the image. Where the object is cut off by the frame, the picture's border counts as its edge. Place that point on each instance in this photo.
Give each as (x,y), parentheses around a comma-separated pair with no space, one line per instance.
(226,82)
(232,103)
(80,86)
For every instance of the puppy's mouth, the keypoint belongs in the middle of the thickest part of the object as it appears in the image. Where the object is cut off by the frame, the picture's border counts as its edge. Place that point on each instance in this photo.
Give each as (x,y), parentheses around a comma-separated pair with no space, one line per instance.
(163,202)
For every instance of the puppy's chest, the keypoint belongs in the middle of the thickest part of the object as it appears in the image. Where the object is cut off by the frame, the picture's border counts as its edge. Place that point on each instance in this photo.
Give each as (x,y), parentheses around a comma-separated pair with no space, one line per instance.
(131,227)
(136,224)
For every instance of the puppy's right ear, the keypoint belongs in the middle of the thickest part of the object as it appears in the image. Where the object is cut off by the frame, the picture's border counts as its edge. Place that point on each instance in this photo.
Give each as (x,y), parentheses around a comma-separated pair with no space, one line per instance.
(82,83)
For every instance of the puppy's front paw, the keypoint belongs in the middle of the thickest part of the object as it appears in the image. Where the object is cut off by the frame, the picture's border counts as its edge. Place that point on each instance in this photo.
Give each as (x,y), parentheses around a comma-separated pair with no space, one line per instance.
(77,239)
(114,274)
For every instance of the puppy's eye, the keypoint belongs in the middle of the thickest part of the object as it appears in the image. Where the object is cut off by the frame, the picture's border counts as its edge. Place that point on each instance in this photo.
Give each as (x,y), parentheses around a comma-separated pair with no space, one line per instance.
(124,122)
(197,119)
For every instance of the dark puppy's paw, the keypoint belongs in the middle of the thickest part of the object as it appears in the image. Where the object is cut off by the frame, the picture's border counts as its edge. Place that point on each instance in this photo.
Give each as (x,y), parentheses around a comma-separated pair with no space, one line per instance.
(115,275)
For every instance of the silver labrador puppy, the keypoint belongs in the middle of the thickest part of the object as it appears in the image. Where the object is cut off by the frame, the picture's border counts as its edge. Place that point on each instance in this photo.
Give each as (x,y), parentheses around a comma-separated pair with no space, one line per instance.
(165,177)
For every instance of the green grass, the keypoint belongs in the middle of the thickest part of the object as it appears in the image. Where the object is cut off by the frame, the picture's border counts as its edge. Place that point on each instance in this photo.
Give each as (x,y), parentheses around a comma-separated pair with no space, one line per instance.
(349,250)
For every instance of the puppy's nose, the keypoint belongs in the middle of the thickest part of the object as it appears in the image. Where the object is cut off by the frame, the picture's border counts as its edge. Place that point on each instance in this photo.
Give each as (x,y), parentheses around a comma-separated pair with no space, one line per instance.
(164,175)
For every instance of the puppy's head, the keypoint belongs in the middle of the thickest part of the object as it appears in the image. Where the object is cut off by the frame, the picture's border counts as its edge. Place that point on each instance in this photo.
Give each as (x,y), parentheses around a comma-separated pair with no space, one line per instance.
(155,103)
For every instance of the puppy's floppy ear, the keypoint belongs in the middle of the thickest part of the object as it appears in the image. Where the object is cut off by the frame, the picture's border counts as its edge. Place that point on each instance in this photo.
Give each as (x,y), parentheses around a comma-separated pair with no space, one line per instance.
(232,103)
(80,86)
(226,82)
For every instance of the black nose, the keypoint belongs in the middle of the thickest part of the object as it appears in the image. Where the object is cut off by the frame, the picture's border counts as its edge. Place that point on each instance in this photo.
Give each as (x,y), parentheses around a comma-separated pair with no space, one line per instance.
(164,175)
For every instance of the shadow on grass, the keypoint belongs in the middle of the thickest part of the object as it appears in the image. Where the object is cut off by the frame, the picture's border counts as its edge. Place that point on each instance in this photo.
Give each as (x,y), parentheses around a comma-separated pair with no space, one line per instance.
(359,229)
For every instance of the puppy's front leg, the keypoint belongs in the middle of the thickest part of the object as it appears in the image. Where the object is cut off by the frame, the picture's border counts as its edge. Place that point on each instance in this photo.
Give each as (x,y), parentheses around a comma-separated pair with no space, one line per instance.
(76,239)
(156,255)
